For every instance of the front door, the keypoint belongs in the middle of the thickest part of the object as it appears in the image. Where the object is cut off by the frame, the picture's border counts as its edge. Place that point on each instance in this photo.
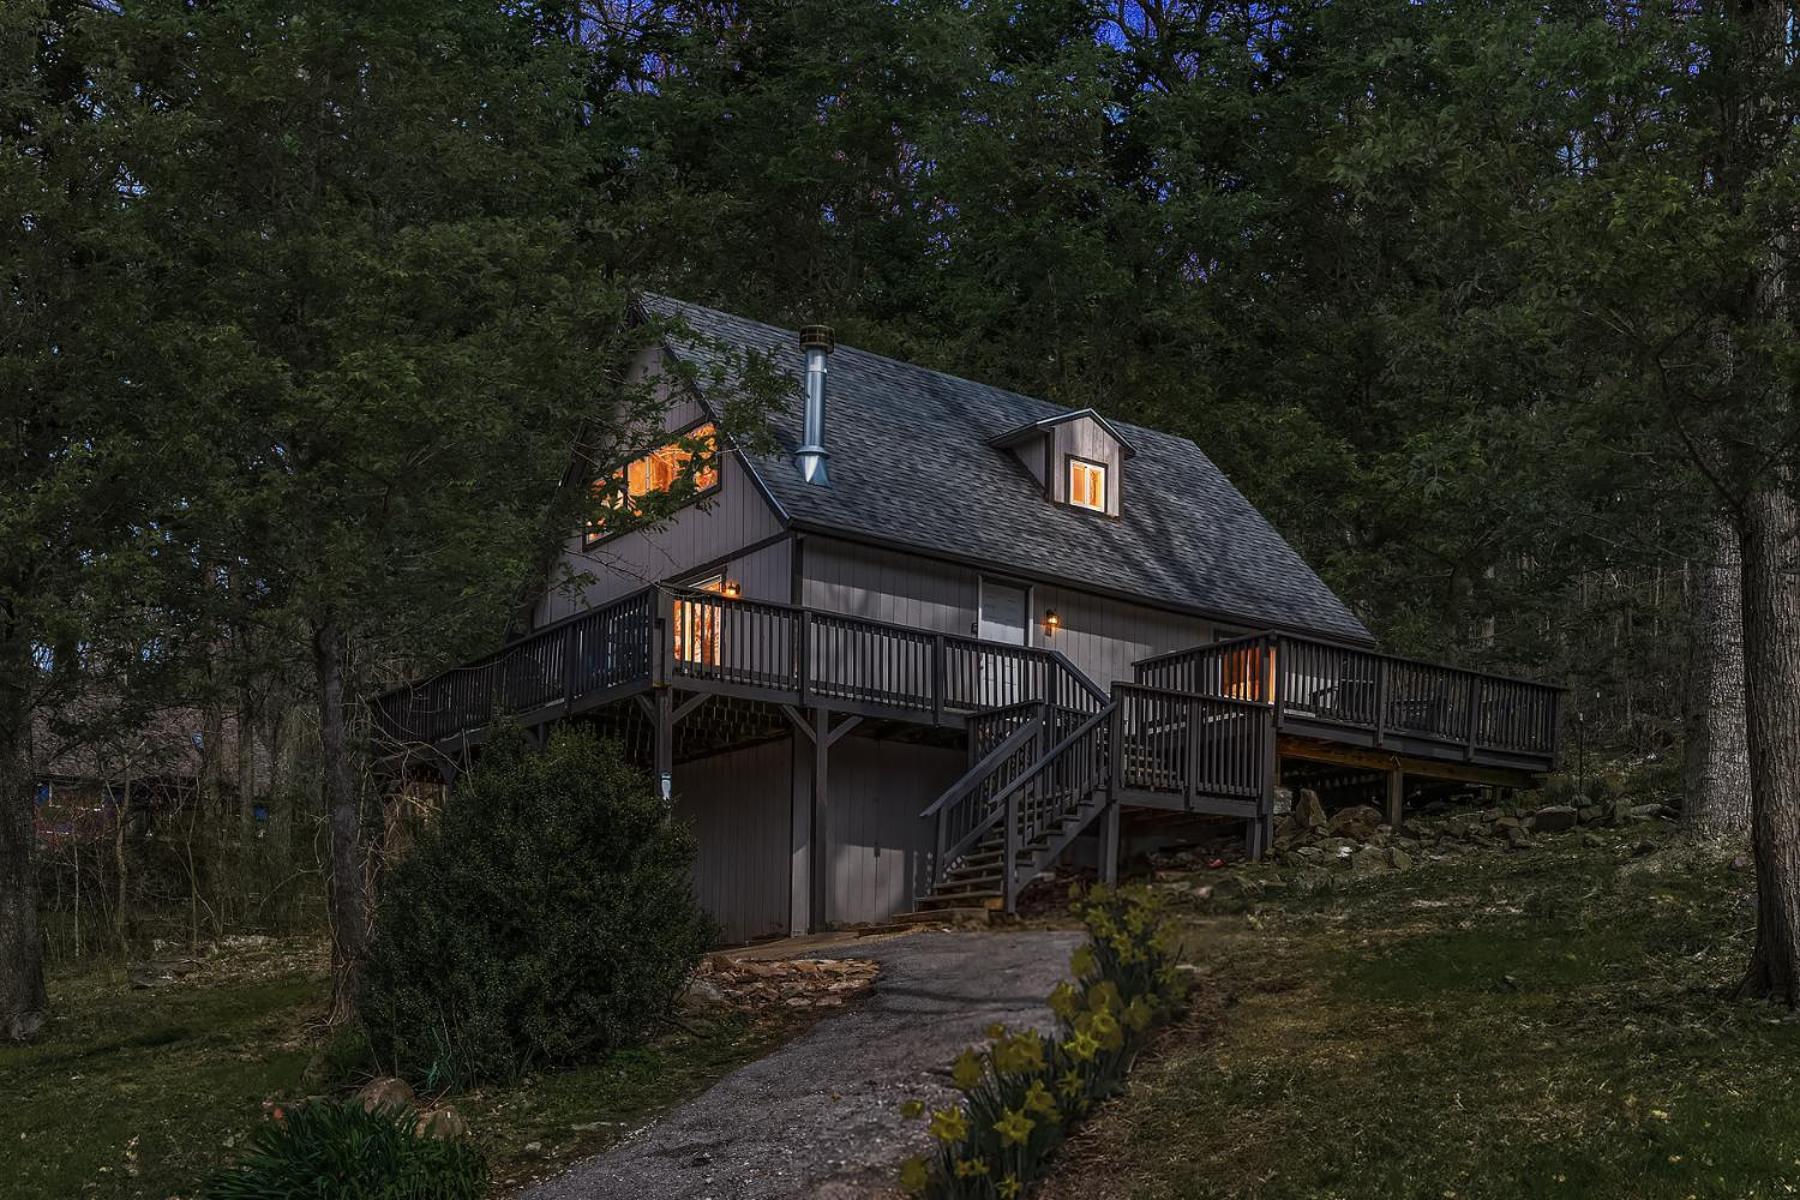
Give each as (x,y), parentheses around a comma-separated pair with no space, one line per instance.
(1004,677)
(1002,612)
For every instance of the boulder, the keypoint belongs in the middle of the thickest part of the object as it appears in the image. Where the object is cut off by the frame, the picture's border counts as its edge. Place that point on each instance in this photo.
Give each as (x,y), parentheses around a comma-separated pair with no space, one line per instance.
(1646,812)
(702,993)
(1309,814)
(1284,801)
(1619,813)
(1398,859)
(1358,823)
(1368,861)
(1517,838)
(443,1124)
(386,1092)
(1553,818)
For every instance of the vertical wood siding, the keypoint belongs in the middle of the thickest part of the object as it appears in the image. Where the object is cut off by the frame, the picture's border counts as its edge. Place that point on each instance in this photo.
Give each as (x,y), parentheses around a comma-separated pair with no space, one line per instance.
(735,516)
(878,843)
(1101,636)
(738,804)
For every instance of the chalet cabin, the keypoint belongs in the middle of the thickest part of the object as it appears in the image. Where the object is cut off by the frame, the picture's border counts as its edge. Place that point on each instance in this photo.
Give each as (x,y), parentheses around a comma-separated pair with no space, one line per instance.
(943,636)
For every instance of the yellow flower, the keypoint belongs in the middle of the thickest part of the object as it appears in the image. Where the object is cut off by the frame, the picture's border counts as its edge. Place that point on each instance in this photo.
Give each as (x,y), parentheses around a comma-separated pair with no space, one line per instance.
(915,1176)
(949,1125)
(1039,1100)
(1105,1027)
(1009,1187)
(967,1071)
(1017,1055)
(1014,1127)
(1138,1015)
(1082,961)
(1082,1046)
(912,1109)
(1070,1084)
(968,1167)
(1104,997)
(996,1031)
(1063,1001)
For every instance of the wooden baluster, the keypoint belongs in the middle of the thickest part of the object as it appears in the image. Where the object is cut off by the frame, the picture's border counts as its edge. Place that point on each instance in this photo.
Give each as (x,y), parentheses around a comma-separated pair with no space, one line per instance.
(1474,700)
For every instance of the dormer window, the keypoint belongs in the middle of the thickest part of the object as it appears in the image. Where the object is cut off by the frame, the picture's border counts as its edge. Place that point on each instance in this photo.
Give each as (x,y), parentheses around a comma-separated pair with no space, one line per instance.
(1077,457)
(1087,484)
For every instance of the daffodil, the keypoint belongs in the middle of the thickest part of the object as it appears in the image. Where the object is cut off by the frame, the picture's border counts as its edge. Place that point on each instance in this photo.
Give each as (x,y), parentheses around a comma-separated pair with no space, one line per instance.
(1105,1028)
(915,1176)
(912,1109)
(1063,1001)
(967,1168)
(1018,1055)
(996,1031)
(1082,1046)
(1138,1015)
(949,1125)
(1009,1187)
(1082,961)
(1014,1127)
(966,1072)
(1070,1084)
(1104,997)
(1039,1100)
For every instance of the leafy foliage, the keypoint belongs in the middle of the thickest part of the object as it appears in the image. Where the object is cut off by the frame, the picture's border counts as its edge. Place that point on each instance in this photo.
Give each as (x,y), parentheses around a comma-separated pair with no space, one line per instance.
(335,1150)
(1024,1092)
(547,918)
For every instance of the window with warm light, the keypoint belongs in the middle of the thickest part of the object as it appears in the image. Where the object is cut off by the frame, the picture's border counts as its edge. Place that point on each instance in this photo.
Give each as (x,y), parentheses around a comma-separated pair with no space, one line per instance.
(693,455)
(697,624)
(1087,484)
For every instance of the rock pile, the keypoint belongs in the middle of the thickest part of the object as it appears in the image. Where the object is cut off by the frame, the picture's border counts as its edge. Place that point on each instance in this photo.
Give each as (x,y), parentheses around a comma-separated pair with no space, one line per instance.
(1359,840)
(751,986)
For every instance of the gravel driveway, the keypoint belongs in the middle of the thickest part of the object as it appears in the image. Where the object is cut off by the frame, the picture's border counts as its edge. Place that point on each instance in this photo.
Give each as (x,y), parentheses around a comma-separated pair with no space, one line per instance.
(820,1116)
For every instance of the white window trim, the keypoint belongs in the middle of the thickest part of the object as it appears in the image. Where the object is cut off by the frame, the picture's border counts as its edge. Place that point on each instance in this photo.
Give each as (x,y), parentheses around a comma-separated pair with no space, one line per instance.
(1076,465)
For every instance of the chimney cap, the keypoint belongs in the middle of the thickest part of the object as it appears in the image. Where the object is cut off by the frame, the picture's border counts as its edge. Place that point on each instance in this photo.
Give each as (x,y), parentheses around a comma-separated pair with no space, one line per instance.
(819,336)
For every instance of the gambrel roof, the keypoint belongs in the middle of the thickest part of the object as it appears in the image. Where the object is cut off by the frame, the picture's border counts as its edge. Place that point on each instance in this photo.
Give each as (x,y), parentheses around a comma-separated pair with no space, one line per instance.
(914,465)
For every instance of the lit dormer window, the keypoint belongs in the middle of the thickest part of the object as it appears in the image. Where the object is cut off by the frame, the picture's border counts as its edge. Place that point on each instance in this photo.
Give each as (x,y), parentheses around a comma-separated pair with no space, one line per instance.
(1087,484)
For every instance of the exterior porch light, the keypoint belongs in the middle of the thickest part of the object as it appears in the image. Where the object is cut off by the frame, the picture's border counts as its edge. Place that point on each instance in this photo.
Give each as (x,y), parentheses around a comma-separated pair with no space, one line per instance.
(731,589)
(1052,622)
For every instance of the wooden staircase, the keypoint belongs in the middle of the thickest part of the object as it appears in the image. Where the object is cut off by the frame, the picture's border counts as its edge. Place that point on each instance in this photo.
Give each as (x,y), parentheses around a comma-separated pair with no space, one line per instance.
(1011,816)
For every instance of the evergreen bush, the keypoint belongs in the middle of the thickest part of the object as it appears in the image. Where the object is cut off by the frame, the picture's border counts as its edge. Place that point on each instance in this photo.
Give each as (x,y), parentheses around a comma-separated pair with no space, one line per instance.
(548,917)
(334,1150)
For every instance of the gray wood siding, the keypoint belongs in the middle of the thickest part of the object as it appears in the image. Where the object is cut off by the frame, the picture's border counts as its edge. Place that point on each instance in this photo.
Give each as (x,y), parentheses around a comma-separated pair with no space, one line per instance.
(735,516)
(1086,438)
(1101,636)
(877,845)
(738,805)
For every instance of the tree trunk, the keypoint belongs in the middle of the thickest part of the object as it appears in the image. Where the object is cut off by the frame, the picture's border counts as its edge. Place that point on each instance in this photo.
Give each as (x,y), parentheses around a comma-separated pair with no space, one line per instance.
(1772,670)
(346,895)
(1716,770)
(23,1003)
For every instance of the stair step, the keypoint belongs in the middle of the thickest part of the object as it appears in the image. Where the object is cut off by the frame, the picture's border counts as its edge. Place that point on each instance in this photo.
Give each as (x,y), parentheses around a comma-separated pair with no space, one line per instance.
(979,885)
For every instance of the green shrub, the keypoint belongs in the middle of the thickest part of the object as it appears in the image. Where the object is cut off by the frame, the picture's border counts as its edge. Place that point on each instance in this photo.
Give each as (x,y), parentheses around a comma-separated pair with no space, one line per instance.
(548,917)
(333,1150)
(1024,1092)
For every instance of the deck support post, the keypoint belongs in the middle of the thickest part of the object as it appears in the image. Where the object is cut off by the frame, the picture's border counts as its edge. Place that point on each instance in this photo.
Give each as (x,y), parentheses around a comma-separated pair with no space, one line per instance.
(1396,797)
(1109,843)
(820,865)
(665,743)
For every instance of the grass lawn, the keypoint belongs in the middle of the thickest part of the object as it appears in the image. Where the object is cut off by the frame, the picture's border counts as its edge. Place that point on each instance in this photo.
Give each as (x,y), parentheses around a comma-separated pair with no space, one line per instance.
(139,1093)
(1546,1023)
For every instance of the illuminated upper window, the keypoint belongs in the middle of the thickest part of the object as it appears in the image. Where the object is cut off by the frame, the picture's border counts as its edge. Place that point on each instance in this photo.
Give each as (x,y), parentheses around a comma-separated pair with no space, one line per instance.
(692,456)
(1087,484)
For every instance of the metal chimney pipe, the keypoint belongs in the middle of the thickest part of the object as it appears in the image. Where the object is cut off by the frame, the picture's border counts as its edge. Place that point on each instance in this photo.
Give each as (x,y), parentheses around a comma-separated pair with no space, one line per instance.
(816,341)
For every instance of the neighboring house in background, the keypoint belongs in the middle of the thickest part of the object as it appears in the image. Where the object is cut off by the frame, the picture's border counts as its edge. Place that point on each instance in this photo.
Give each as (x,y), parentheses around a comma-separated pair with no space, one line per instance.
(946,635)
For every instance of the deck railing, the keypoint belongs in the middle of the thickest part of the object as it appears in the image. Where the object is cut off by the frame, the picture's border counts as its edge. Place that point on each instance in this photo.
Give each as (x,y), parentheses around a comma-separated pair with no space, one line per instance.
(597,651)
(1184,745)
(820,655)
(708,641)
(1312,681)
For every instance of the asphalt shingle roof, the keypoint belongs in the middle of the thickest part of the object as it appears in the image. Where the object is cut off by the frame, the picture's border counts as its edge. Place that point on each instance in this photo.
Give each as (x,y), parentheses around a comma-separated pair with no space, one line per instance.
(911,464)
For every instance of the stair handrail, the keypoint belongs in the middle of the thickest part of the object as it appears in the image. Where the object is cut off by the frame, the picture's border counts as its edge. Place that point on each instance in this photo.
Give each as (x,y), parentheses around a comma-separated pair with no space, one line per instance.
(1008,797)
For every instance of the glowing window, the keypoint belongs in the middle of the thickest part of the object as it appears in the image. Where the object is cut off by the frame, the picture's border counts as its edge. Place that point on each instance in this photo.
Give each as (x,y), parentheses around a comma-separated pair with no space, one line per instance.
(692,456)
(1087,484)
(697,625)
